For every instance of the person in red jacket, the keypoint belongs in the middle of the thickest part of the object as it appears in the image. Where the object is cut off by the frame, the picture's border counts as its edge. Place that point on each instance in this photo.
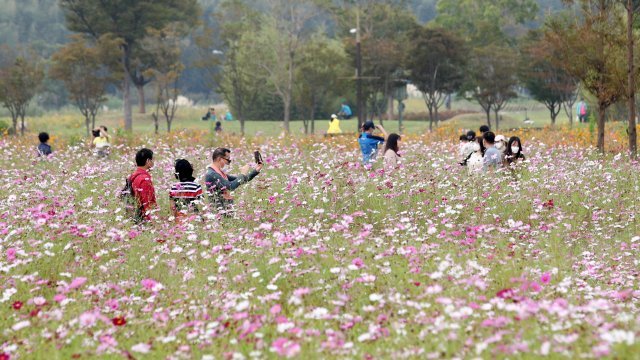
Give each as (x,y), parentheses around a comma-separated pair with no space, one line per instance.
(141,182)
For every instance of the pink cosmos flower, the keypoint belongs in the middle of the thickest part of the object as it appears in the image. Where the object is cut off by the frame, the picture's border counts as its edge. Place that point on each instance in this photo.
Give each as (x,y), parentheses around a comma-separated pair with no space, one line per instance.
(87,319)
(148,284)
(285,347)
(76,283)
(275,309)
(11,254)
(545,278)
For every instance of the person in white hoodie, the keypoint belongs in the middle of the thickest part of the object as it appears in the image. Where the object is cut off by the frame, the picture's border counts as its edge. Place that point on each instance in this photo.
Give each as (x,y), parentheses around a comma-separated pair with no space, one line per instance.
(501,145)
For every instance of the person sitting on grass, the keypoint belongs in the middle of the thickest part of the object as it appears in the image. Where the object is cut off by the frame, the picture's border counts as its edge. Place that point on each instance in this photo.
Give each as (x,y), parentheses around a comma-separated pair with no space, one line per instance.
(218,128)
(220,185)
(211,113)
(334,125)
(345,111)
(369,143)
(184,195)
(44,149)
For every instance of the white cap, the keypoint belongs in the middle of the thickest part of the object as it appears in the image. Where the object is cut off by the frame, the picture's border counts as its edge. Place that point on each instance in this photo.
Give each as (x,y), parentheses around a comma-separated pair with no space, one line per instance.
(501,138)
(334,116)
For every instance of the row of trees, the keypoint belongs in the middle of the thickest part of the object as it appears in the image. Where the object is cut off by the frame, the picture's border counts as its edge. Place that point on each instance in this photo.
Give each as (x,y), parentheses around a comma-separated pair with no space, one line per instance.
(303,54)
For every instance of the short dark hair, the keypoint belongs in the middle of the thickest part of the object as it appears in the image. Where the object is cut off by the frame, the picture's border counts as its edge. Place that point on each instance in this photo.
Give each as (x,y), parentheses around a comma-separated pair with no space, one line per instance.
(184,170)
(143,155)
(44,137)
(489,137)
(471,135)
(219,152)
(463,137)
(484,128)
(368,125)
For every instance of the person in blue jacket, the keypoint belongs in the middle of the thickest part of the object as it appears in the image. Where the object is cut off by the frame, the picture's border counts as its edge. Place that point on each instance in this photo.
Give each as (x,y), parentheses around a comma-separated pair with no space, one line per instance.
(345,111)
(369,143)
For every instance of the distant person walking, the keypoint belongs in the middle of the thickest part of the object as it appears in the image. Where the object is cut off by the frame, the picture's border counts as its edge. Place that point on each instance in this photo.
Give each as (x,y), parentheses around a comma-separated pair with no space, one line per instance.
(44,149)
(581,110)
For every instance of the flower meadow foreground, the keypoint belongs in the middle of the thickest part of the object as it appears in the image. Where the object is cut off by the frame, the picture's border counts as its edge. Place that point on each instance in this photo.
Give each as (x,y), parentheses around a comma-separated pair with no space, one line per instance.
(323,259)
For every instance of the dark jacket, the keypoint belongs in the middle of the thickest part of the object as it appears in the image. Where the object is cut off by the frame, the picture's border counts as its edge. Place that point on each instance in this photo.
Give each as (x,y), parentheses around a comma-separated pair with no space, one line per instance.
(217,186)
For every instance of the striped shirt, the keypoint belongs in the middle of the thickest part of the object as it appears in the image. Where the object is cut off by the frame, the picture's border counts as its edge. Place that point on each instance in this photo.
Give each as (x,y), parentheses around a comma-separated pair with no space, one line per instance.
(184,194)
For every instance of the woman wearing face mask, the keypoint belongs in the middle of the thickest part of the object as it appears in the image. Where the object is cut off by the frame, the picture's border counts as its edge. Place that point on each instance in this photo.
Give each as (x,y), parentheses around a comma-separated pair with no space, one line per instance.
(501,144)
(220,185)
(513,153)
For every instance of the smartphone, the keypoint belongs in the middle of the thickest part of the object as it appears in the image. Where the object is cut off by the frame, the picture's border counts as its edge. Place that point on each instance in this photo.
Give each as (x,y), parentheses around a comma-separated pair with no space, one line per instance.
(258,157)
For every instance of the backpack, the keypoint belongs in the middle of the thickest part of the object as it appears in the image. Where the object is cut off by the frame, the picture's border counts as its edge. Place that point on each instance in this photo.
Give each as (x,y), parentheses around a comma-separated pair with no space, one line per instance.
(132,207)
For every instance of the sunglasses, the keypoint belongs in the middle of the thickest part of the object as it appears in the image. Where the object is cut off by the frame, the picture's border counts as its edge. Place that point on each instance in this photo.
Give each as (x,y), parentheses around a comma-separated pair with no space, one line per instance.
(228,160)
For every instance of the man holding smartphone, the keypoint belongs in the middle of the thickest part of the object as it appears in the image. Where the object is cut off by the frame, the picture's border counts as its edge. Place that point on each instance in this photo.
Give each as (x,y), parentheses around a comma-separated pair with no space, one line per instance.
(220,185)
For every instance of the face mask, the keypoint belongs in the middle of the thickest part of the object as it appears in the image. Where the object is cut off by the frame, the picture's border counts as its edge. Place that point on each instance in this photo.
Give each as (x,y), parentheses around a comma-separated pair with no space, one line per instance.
(499,145)
(515,149)
(476,147)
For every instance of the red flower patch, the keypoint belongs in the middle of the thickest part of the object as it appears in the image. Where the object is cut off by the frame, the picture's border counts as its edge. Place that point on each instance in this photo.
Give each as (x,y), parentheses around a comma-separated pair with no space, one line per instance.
(119,321)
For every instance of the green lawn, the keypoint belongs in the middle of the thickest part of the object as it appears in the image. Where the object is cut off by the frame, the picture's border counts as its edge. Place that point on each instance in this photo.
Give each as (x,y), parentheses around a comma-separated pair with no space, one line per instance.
(69,123)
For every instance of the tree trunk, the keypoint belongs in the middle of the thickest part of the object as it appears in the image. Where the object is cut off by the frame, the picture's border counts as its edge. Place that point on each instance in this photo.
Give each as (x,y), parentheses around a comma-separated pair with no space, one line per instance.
(313,119)
(141,102)
(389,107)
(430,118)
(14,119)
(126,93)
(287,114)
(496,113)
(22,124)
(241,125)
(602,110)
(155,122)
(435,112)
(553,117)
(87,122)
(488,112)
(633,147)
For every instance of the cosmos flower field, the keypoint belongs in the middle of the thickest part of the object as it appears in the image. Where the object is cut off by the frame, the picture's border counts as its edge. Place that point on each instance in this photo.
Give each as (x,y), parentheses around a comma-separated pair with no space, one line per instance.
(324,259)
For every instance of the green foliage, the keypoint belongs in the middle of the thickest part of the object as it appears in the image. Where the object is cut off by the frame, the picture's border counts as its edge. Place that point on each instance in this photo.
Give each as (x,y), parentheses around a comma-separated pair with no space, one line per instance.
(129,21)
(547,82)
(20,81)
(322,75)
(483,22)
(491,79)
(39,23)
(594,52)
(81,67)
(436,63)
